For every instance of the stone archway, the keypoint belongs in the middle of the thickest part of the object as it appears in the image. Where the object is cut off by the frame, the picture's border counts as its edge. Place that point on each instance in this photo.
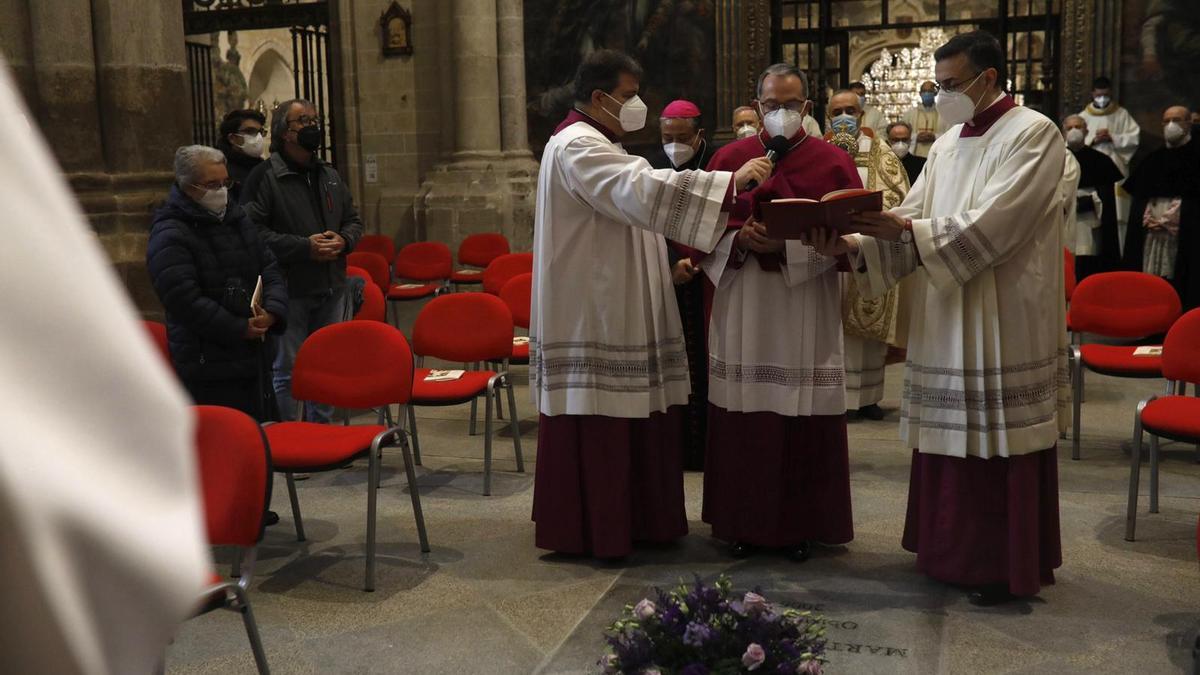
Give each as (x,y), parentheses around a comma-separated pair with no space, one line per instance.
(270,79)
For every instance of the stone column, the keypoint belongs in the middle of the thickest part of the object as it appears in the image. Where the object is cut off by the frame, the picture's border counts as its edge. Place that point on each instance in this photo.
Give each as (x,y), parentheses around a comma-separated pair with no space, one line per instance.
(514,128)
(743,44)
(477,89)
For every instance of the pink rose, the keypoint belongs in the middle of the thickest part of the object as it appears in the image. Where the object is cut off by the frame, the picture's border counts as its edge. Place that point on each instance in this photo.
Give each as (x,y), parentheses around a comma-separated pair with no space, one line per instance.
(754,603)
(609,663)
(754,656)
(651,671)
(812,667)
(644,609)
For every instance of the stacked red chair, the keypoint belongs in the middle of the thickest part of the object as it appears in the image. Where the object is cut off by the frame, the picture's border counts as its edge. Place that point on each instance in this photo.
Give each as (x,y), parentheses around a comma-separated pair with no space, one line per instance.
(234,465)
(1123,305)
(1174,416)
(378,244)
(503,268)
(466,328)
(423,269)
(374,307)
(517,294)
(477,252)
(375,265)
(356,365)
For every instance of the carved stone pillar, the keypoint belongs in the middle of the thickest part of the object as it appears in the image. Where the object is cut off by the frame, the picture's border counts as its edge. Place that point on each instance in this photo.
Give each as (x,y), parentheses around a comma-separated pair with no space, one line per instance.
(477,89)
(743,44)
(514,128)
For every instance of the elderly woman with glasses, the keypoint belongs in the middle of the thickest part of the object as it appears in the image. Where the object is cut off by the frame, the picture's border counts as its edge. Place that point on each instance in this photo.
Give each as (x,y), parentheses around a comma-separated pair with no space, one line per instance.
(207,263)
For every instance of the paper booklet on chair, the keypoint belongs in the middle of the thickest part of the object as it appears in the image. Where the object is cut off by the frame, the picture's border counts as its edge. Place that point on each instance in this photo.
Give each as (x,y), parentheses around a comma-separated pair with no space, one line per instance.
(791,218)
(444,375)
(1150,350)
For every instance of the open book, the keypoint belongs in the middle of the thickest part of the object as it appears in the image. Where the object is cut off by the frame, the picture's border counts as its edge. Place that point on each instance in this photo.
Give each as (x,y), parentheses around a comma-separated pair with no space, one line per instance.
(790,218)
(444,375)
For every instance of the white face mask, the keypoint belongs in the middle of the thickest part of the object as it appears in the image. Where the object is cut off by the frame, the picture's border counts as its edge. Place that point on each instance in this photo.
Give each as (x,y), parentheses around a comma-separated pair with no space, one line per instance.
(1101,102)
(214,200)
(679,153)
(1075,137)
(746,131)
(900,148)
(783,122)
(633,113)
(1174,133)
(252,144)
(955,107)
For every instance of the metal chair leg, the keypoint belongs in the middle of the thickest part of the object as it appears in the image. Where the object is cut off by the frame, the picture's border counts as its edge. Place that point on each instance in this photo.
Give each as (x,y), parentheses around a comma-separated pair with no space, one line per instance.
(487,443)
(514,423)
(415,494)
(236,568)
(471,429)
(1153,473)
(1076,399)
(291,484)
(372,496)
(412,429)
(499,407)
(1135,468)
(256,646)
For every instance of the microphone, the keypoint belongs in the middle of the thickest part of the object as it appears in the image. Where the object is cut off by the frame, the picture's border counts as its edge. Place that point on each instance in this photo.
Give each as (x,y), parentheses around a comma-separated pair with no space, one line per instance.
(777,147)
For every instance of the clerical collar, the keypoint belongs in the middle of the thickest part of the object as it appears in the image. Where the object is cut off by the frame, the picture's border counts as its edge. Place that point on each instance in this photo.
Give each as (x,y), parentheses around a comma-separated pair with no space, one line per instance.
(577,115)
(795,141)
(984,119)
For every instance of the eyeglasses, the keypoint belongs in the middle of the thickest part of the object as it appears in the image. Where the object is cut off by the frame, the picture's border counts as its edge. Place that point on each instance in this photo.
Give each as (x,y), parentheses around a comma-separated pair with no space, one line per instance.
(252,132)
(955,87)
(771,106)
(214,185)
(307,120)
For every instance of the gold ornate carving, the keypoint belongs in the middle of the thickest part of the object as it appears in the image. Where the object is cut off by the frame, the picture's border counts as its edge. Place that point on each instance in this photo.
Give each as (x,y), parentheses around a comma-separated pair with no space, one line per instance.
(743,44)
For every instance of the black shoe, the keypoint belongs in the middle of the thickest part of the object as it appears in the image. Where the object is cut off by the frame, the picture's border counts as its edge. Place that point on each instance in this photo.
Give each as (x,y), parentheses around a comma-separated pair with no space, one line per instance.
(801,552)
(990,595)
(740,550)
(871,412)
(270,519)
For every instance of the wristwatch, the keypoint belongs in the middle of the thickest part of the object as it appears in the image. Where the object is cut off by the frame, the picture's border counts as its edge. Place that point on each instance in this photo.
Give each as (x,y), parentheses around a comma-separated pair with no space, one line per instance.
(906,235)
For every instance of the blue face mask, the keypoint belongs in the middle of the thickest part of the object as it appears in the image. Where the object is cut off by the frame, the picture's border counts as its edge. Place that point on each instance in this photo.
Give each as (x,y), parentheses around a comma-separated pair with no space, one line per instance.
(928,98)
(844,124)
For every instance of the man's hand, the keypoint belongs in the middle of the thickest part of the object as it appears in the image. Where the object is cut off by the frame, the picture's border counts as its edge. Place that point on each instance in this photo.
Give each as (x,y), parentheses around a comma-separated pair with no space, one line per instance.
(757,169)
(326,246)
(926,137)
(337,244)
(1102,136)
(684,271)
(753,236)
(828,243)
(879,224)
(258,325)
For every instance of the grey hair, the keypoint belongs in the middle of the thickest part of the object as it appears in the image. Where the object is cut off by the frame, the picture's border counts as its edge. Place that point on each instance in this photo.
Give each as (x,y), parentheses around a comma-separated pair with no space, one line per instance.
(901,123)
(279,123)
(189,159)
(782,70)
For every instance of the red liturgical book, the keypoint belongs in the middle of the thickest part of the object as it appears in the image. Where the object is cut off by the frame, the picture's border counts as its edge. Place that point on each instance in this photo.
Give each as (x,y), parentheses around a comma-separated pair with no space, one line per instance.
(790,218)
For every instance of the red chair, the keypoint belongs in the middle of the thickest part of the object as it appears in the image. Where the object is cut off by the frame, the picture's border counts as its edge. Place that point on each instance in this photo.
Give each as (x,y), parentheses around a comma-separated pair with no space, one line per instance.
(478,250)
(356,365)
(376,243)
(374,307)
(424,268)
(352,271)
(375,265)
(466,328)
(1174,416)
(1069,272)
(503,268)
(516,294)
(234,465)
(158,333)
(1125,305)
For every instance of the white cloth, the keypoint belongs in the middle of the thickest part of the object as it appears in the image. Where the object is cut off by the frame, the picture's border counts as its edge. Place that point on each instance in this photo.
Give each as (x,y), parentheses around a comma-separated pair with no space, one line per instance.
(1066,194)
(775,338)
(873,118)
(1162,241)
(811,127)
(104,549)
(866,359)
(605,331)
(921,119)
(986,372)
(1121,126)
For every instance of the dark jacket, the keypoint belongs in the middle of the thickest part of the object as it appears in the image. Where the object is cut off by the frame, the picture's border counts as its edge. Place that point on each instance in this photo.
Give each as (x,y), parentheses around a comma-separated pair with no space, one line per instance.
(240,165)
(290,203)
(913,166)
(204,271)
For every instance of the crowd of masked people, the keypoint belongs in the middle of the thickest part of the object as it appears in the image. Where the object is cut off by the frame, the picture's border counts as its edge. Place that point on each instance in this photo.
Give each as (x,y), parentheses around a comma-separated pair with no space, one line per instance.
(235,222)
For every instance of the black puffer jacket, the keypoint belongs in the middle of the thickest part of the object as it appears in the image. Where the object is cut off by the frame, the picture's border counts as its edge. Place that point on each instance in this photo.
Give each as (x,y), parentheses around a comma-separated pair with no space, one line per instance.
(204,271)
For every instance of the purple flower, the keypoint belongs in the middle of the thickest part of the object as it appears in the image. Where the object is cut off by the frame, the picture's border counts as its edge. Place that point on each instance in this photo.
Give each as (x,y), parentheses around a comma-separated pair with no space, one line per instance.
(696,634)
(644,609)
(754,656)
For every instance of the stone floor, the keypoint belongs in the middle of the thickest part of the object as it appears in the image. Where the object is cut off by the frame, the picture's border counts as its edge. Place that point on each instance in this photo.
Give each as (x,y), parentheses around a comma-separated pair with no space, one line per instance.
(486,601)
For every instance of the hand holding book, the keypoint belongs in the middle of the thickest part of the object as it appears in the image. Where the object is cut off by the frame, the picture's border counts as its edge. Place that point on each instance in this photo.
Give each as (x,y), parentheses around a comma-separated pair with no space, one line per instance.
(791,218)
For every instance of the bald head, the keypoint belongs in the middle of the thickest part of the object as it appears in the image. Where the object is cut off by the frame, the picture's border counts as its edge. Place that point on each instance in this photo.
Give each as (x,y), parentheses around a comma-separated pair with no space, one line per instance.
(1074,122)
(1177,125)
(844,102)
(1177,113)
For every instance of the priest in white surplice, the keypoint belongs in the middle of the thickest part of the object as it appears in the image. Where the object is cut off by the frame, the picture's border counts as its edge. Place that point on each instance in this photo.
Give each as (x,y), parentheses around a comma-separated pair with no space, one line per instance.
(1112,130)
(609,371)
(984,396)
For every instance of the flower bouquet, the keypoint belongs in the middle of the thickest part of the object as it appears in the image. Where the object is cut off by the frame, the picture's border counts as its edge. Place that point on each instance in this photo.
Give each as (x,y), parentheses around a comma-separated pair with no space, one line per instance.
(700,630)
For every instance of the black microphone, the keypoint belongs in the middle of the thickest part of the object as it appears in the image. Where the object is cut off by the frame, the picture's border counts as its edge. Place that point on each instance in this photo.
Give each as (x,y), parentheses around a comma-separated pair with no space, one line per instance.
(777,147)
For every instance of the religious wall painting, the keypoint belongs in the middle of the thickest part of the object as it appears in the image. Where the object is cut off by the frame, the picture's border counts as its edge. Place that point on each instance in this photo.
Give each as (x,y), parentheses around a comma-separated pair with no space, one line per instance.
(395,28)
(673,40)
(1160,61)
